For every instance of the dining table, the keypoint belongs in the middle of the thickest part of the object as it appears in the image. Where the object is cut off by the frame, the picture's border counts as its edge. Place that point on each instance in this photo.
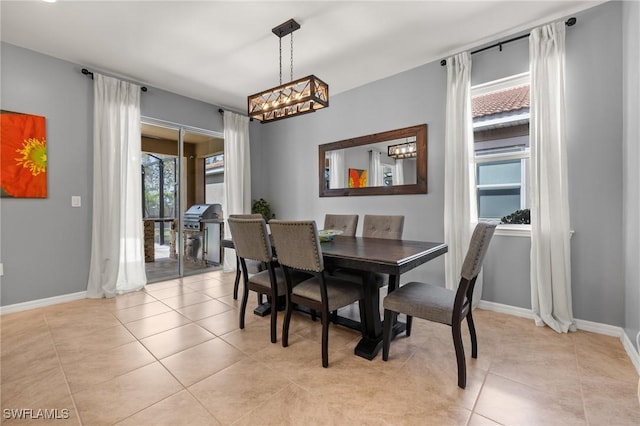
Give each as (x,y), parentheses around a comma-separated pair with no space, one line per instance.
(370,256)
(377,255)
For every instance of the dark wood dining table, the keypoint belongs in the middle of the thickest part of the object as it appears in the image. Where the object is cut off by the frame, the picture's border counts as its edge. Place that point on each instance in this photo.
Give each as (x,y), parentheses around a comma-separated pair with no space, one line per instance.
(371,255)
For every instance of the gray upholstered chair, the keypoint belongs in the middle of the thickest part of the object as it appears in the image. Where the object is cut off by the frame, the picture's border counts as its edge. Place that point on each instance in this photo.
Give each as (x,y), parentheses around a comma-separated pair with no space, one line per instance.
(383,226)
(253,266)
(252,242)
(299,250)
(438,304)
(376,226)
(347,223)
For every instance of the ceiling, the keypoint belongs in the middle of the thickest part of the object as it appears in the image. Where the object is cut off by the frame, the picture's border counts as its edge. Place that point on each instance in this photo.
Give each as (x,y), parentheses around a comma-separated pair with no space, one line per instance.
(220,52)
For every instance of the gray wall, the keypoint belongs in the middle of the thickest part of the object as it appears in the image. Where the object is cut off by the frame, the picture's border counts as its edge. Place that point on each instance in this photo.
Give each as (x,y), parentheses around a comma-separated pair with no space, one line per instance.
(631,114)
(45,243)
(286,173)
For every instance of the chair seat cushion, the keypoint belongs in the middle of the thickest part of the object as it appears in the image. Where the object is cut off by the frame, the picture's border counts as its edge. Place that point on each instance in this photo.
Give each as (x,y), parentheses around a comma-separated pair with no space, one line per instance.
(340,292)
(262,279)
(254,266)
(422,300)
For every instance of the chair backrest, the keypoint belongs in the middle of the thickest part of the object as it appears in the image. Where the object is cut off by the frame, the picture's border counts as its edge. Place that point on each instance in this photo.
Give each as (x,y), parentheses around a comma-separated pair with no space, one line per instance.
(251,239)
(246,216)
(378,226)
(297,244)
(477,249)
(347,223)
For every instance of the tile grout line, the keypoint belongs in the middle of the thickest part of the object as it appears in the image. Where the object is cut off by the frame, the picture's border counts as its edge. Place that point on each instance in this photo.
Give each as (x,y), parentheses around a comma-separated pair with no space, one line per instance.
(156,360)
(64,374)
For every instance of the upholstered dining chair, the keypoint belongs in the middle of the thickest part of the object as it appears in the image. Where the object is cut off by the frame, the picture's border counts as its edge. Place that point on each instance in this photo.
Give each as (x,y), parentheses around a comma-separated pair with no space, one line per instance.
(252,242)
(252,266)
(383,226)
(389,227)
(347,223)
(299,249)
(442,305)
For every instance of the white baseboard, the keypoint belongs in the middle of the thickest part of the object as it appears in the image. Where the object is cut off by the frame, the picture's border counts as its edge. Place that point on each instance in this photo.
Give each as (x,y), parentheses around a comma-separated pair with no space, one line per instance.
(594,327)
(506,309)
(32,304)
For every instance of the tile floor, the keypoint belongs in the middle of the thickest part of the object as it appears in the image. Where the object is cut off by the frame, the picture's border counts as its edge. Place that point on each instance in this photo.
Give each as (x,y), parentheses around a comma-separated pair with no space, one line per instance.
(173,354)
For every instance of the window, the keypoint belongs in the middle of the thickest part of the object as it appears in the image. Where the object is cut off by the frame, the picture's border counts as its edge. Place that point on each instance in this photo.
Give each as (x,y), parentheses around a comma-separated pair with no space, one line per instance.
(501,145)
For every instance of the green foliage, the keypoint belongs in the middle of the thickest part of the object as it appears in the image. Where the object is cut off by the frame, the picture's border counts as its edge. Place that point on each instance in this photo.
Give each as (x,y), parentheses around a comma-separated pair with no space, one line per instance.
(262,206)
(518,217)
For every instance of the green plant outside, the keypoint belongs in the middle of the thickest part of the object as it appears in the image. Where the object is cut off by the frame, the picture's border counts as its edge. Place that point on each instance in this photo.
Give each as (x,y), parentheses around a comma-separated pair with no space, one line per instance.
(520,217)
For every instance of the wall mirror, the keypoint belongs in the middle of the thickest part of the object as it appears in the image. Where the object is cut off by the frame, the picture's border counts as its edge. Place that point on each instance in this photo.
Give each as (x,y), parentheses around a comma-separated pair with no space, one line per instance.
(386,163)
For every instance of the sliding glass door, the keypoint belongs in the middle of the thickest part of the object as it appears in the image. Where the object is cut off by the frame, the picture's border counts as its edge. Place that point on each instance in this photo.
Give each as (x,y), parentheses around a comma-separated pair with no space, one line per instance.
(173,168)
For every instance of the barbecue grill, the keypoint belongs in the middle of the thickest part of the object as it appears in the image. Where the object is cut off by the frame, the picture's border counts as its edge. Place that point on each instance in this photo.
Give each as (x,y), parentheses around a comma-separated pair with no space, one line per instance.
(195,217)
(202,233)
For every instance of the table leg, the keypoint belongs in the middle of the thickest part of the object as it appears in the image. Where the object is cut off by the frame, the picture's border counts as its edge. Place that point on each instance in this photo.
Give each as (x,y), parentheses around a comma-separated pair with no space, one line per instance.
(371,343)
(398,327)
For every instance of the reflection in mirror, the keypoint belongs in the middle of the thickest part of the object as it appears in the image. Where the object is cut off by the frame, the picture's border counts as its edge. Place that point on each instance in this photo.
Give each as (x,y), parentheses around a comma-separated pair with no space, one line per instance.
(393,162)
(342,165)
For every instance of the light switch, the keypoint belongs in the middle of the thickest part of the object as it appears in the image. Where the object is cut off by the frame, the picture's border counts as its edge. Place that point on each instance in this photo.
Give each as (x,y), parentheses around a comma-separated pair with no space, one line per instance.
(76,201)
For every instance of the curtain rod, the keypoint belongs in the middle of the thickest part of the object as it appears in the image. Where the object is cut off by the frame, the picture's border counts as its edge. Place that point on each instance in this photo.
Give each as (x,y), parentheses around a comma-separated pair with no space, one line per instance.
(569,23)
(221,111)
(90,74)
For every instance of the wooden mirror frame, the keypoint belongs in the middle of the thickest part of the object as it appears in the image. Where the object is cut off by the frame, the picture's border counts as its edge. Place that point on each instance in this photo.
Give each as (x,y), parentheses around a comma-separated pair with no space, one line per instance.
(420,187)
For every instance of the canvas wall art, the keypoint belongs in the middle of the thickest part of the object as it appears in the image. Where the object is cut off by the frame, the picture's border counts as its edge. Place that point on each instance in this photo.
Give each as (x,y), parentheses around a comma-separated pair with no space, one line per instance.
(357,178)
(23,155)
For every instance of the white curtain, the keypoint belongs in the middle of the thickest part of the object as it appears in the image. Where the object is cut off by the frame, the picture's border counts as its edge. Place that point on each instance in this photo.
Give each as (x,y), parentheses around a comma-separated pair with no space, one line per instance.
(117,244)
(237,172)
(375,168)
(460,209)
(550,229)
(336,169)
(398,172)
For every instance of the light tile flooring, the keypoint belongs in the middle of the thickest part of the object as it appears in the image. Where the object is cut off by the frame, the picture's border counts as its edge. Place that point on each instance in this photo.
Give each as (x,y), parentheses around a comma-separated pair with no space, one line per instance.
(173,354)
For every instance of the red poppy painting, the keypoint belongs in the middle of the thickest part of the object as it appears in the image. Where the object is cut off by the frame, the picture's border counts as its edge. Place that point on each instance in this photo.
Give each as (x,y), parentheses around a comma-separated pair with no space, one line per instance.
(357,178)
(23,155)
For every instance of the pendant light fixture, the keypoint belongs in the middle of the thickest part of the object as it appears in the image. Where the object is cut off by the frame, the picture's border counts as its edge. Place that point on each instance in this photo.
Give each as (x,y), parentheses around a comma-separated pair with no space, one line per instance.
(307,94)
(403,150)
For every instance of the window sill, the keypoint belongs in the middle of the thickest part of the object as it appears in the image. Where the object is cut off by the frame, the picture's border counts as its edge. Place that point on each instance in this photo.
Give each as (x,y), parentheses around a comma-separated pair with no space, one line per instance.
(514,230)
(506,230)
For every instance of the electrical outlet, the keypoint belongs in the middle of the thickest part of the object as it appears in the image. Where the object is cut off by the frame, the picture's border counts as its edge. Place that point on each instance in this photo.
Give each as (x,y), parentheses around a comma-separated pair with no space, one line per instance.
(1,269)
(76,201)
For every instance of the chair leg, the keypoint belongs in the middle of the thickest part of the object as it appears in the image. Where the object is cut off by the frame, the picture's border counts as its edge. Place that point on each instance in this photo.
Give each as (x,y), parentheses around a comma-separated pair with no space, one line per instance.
(236,283)
(314,314)
(285,325)
(334,316)
(457,343)
(274,319)
(409,324)
(386,333)
(325,338)
(472,333)
(243,305)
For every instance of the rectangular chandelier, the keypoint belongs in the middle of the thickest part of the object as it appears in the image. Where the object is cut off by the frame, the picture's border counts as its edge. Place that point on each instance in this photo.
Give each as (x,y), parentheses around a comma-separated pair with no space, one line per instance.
(402,150)
(307,94)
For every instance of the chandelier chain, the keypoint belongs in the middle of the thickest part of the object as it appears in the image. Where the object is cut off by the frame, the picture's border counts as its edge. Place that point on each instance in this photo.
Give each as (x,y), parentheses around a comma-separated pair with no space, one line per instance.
(280,46)
(291,57)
